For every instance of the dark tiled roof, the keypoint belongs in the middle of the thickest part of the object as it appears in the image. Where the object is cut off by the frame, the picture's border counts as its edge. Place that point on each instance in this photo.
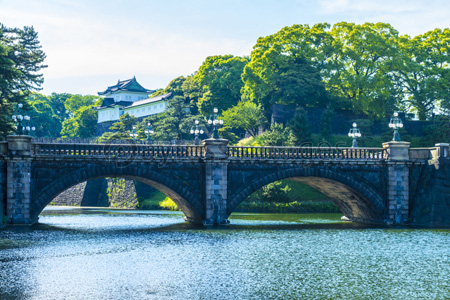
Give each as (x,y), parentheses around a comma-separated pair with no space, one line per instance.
(109,102)
(130,85)
(149,100)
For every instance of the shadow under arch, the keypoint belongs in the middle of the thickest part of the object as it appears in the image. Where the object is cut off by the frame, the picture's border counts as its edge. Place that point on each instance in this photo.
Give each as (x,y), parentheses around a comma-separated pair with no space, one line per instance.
(188,201)
(356,200)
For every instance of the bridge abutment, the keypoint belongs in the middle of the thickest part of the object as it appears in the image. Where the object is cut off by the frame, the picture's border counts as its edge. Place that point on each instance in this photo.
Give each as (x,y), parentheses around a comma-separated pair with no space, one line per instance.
(18,180)
(216,185)
(398,183)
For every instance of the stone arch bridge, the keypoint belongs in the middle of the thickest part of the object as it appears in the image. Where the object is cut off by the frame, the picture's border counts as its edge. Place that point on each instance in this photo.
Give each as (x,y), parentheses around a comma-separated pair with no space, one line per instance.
(393,184)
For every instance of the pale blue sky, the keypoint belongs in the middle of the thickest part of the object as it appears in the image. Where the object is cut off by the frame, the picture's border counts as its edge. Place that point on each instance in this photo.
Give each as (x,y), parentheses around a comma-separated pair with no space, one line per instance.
(92,44)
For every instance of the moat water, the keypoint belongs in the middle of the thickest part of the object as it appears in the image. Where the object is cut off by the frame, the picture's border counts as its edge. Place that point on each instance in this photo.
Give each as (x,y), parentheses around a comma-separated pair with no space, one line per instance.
(116,254)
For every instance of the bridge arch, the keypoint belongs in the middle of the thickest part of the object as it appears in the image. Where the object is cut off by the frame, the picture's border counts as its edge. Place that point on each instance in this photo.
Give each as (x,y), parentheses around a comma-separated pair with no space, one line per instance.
(357,200)
(187,199)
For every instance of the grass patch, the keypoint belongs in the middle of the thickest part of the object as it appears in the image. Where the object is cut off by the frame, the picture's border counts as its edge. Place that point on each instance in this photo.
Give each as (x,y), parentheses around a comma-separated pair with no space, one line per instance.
(151,203)
(168,204)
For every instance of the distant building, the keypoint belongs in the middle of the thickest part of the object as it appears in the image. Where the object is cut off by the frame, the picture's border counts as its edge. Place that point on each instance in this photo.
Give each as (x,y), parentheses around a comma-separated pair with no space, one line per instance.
(128,96)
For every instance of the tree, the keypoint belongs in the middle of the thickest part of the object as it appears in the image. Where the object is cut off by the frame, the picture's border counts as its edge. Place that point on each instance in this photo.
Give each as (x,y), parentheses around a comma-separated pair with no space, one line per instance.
(75,102)
(86,118)
(360,71)
(43,116)
(424,75)
(191,92)
(285,67)
(438,132)
(245,115)
(82,125)
(300,131)
(56,101)
(21,59)
(278,135)
(326,121)
(174,87)
(175,122)
(219,79)
(121,129)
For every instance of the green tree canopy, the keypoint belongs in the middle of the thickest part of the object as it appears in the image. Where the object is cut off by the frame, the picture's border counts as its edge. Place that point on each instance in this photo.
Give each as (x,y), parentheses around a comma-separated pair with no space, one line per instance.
(43,117)
(121,129)
(75,102)
(21,59)
(220,83)
(245,115)
(285,67)
(300,131)
(82,125)
(424,75)
(309,66)
(361,66)
(175,122)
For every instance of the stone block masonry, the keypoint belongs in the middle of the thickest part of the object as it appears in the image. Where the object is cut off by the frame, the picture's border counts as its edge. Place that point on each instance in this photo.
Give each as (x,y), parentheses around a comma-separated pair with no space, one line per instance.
(373,185)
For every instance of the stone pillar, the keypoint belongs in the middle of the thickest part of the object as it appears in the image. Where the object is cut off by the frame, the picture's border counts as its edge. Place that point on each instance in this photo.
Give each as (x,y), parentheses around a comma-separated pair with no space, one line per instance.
(216,169)
(398,182)
(18,194)
(443,150)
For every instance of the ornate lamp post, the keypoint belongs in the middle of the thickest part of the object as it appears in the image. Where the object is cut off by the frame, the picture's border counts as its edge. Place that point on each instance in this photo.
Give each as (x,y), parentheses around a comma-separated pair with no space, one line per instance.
(354,133)
(216,120)
(148,131)
(19,118)
(196,130)
(133,133)
(396,123)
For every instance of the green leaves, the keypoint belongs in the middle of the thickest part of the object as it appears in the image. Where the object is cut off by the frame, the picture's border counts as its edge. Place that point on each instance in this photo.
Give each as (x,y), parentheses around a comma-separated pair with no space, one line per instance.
(21,59)
(245,115)
(219,82)
(424,75)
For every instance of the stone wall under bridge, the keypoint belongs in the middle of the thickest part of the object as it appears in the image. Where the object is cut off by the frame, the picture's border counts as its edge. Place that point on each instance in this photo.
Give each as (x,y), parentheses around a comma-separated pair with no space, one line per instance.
(392,185)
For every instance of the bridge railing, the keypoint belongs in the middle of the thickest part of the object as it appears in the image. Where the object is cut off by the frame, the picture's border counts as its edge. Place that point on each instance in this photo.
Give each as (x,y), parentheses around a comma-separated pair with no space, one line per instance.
(117,150)
(307,152)
(99,140)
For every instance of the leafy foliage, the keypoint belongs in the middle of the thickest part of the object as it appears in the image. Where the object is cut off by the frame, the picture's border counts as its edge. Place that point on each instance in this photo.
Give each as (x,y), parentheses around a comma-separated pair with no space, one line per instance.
(325,121)
(21,59)
(300,131)
(424,74)
(245,115)
(121,129)
(82,125)
(278,135)
(75,102)
(219,80)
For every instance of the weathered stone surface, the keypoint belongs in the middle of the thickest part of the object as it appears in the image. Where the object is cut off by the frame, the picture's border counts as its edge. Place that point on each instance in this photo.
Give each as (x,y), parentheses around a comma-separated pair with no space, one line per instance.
(396,190)
(94,193)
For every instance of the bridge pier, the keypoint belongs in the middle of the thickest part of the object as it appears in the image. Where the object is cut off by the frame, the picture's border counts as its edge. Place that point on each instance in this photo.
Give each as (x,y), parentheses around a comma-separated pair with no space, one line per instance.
(398,183)
(18,180)
(216,169)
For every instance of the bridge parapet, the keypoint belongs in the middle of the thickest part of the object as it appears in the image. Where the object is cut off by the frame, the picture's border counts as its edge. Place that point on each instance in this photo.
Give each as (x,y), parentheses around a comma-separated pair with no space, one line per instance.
(421,153)
(241,152)
(118,150)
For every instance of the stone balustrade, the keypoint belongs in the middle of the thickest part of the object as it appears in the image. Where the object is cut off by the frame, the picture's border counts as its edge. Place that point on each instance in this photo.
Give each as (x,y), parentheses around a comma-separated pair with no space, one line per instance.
(241,152)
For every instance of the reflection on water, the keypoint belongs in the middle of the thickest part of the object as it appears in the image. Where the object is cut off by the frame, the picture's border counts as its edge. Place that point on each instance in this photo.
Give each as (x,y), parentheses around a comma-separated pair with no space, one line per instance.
(112,254)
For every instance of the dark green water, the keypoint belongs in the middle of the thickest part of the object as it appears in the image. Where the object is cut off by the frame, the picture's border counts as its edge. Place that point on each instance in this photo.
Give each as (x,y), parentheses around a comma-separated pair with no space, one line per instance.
(110,254)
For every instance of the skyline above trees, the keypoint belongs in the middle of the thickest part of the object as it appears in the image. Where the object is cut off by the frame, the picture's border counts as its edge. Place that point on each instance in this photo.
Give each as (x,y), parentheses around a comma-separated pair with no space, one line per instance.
(368,69)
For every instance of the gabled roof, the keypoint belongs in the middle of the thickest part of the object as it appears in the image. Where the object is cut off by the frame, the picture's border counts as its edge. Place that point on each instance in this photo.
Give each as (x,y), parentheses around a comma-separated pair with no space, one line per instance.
(149,100)
(130,85)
